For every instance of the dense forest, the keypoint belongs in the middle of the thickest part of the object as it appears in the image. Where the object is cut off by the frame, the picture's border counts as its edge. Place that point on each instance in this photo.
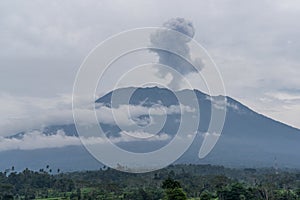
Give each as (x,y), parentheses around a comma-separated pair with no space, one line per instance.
(176,182)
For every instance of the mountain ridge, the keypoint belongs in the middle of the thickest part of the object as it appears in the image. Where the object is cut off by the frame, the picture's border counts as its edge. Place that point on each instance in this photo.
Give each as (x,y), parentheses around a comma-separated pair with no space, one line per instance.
(248,138)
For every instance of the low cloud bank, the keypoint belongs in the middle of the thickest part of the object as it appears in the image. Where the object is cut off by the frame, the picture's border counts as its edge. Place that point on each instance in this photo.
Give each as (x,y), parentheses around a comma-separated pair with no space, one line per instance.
(39,140)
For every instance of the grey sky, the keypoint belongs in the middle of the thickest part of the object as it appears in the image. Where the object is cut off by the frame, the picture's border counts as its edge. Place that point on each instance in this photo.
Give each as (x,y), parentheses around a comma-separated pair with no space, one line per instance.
(255,44)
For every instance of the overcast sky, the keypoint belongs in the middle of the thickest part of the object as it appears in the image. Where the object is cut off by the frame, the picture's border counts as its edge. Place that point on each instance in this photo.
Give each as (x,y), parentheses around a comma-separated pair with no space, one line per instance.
(255,44)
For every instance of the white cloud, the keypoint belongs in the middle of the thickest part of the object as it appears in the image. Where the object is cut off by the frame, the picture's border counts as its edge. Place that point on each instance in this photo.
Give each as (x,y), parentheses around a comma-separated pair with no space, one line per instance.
(222,103)
(207,134)
(38,140)
(138,135)
(27,113)
(126,116)
(284,96)
(20,114)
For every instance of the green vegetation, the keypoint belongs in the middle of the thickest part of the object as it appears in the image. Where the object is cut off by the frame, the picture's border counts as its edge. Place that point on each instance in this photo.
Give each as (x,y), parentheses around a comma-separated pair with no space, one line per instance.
(179,182)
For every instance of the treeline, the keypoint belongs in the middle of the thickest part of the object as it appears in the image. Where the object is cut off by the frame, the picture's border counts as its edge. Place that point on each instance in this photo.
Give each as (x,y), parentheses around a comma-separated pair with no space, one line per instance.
(30,184)
(176,182)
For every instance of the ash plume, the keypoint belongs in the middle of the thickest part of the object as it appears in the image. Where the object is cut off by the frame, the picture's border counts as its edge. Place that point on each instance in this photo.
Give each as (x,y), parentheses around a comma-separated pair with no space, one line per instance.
(168,40)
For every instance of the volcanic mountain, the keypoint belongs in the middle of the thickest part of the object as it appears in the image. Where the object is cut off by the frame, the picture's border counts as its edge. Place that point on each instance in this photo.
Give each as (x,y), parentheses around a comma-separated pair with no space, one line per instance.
(248,139)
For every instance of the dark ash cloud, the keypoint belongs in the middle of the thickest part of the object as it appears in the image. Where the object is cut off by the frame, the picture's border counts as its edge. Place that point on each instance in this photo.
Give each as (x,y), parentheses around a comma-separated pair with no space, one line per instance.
(168,40)
(181,25)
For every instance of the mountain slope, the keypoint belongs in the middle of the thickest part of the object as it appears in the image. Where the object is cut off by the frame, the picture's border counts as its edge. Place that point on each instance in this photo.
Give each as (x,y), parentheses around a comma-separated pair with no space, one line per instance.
(248,139)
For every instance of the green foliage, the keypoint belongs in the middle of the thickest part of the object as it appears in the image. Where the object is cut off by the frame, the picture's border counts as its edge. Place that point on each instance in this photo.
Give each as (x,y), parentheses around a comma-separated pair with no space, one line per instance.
(170,184)
(206,195)
(297,192)
(285,195)
(175,194)
(176,182)
(173,190)
(236,191)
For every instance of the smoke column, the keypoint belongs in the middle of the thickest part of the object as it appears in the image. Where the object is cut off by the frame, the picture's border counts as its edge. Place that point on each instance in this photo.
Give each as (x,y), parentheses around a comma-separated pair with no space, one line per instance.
(169,41)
